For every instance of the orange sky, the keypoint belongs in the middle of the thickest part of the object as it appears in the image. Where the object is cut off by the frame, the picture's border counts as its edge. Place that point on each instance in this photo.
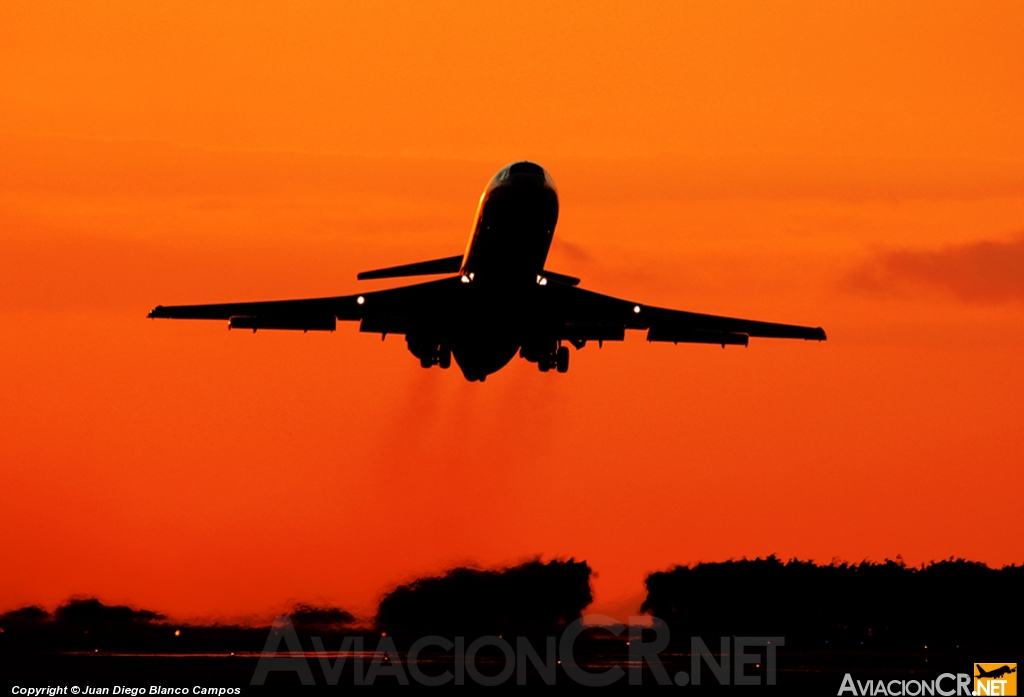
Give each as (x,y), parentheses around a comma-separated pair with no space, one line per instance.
(858,166)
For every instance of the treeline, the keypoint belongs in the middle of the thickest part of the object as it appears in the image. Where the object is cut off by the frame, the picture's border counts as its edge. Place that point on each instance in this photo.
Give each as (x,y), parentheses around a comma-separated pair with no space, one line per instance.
(531,599)
(942,605)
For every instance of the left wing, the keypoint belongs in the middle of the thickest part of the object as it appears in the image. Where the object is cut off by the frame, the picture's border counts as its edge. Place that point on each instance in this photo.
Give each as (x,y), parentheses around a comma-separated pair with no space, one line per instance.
(386,311)
(581,315)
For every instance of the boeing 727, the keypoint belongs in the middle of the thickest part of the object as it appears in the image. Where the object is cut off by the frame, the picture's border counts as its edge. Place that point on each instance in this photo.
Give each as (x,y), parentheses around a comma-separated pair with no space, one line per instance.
(498,299)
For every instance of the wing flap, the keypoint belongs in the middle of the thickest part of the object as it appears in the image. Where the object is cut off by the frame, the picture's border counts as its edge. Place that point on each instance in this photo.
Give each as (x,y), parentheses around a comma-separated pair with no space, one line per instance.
(323,323)
(385,325)
(680,335)
(593,332)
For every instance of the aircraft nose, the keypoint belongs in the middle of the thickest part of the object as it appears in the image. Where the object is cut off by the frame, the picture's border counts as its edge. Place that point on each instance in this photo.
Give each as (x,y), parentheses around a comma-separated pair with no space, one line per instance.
(529,174)
(526,168)
(522,174)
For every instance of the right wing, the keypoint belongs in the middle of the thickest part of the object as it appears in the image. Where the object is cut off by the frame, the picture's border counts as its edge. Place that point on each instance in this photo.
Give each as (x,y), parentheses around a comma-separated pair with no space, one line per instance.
(391,311)
(581,315)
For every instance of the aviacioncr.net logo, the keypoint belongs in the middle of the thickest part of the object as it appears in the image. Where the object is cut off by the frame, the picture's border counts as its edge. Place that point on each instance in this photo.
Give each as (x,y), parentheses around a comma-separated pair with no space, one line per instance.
(945,685)
(995,678)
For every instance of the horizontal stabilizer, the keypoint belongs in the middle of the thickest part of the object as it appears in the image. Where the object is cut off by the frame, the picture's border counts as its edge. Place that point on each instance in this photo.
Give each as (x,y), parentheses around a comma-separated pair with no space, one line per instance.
(420,268)
(561,278)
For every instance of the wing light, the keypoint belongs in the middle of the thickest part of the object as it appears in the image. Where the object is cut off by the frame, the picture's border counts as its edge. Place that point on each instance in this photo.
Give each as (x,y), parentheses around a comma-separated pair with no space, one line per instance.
(636,309)
(360,300)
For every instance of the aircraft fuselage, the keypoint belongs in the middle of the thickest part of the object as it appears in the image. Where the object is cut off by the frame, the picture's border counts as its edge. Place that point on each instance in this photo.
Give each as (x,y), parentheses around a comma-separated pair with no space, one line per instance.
(512,233)
(514,225)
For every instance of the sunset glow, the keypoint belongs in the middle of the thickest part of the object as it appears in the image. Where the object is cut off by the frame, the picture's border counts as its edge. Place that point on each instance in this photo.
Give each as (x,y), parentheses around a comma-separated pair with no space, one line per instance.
(857,167)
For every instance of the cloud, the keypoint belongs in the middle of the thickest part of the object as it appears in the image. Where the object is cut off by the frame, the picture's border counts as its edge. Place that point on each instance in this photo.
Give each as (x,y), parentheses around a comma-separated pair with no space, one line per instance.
(988,271)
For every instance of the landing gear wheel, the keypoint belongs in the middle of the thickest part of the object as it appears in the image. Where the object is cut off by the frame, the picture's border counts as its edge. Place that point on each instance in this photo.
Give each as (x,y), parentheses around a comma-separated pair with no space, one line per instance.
(562,359)
(544,363)
(426,362)
(445,360)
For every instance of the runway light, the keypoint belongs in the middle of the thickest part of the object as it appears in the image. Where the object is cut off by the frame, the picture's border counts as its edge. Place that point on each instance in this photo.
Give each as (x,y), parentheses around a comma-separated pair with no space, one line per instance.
(177,632)
(636,309)
(360,300)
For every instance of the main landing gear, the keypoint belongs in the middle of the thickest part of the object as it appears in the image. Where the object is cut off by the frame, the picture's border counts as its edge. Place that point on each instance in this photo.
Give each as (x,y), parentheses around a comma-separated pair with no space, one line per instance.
(547,356)
(559,360)
(430,353)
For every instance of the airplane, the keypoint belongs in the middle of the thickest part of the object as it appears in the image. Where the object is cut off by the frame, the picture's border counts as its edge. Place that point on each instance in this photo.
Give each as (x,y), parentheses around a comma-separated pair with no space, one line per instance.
(498,299)
(995,673)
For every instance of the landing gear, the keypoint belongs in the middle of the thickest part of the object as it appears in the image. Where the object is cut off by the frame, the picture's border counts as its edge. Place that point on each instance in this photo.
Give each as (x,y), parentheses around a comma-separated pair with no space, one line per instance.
(547,355)
(562,359)
(430,352)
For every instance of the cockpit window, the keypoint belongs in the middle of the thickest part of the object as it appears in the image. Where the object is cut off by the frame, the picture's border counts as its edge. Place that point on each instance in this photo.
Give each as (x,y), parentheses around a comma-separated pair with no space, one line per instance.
(523,167)
(526,168)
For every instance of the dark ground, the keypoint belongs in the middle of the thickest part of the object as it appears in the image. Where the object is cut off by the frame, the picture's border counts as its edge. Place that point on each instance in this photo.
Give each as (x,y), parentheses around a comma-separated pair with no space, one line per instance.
(881,621)
(803,671)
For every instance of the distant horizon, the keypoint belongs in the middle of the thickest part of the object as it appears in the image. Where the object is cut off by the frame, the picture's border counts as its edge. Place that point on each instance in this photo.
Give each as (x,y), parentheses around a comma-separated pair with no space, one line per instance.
(366,621)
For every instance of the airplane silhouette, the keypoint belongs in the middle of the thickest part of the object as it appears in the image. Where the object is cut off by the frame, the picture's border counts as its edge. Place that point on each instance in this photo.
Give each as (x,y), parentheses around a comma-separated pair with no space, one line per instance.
(995,673)
(502,300)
